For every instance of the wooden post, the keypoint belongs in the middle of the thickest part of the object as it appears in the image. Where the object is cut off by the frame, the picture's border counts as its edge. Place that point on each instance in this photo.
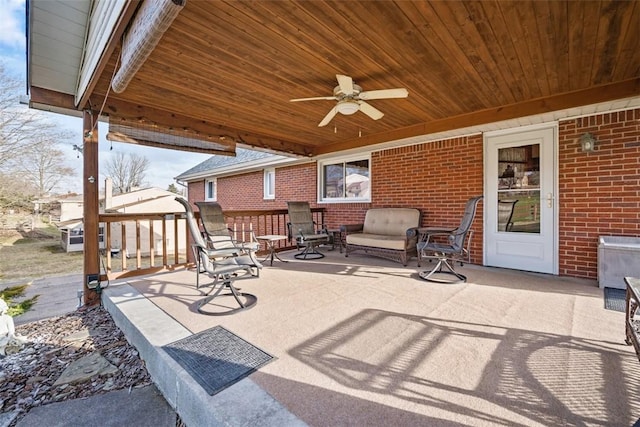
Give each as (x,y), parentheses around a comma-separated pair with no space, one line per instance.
(91,207)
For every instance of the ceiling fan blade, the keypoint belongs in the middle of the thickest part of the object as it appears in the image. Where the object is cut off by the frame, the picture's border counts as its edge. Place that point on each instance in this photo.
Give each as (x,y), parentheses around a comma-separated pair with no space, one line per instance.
(345,83)
(330,115)
(384,94)
(370,110)
(316,98)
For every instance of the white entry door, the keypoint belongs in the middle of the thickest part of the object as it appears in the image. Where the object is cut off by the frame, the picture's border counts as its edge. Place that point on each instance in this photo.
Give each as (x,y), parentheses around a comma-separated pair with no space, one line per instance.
(520,208)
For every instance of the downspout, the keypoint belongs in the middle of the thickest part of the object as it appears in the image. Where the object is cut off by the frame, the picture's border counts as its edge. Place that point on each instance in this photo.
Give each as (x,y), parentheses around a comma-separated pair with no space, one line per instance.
(185,185)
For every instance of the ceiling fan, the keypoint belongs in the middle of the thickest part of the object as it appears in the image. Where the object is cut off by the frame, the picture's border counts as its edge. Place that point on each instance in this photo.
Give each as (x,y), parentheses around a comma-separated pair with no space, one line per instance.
(351,98)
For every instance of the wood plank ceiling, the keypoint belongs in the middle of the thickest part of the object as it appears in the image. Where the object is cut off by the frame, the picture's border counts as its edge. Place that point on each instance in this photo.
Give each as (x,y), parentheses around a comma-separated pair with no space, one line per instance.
(230,68)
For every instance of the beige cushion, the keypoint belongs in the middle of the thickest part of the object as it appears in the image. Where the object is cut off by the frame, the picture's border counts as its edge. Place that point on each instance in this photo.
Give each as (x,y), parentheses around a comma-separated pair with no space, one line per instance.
(377,241)
(390,221)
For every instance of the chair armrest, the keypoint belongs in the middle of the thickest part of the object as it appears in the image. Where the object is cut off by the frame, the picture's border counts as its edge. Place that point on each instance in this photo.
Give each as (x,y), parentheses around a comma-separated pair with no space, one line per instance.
(351,228)
(412,232)
(250,246)
(433,231)
(222,253)
(457,232)
(425,233)
(252,238)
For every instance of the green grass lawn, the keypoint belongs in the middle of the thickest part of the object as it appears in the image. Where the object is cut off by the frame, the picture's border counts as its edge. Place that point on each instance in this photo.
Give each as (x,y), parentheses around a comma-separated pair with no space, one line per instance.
(34,255)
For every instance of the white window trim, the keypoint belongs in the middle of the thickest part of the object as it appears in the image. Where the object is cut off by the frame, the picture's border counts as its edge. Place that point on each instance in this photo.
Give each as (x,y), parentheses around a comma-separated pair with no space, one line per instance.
(265,178)
(342,159)
(215,189)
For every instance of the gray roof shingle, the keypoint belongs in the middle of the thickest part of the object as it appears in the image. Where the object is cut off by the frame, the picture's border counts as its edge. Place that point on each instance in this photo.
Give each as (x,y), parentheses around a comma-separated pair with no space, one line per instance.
(214,162)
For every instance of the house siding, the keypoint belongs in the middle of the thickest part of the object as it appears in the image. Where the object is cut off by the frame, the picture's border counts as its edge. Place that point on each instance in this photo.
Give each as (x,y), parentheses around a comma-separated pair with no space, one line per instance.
(599,192)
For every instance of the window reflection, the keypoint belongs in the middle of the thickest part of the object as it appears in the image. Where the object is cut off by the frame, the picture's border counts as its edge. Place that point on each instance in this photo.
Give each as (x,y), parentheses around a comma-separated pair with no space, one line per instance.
(346,180)
(519,189)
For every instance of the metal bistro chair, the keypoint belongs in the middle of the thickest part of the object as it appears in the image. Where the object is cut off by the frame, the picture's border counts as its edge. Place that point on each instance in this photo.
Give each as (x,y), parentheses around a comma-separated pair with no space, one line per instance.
(456,248)
(222,266)
(303,228)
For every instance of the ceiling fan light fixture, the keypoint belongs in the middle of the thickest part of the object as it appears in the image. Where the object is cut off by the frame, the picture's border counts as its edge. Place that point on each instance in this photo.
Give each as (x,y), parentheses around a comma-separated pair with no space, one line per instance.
(347,107)
(351,99)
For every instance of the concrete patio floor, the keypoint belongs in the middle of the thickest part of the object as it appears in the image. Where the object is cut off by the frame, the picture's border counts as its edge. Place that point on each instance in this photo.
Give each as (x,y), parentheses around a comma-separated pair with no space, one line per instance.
(364,341)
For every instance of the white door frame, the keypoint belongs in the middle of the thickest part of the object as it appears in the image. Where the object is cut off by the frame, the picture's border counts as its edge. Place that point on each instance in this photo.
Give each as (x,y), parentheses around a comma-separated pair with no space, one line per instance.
(555,197)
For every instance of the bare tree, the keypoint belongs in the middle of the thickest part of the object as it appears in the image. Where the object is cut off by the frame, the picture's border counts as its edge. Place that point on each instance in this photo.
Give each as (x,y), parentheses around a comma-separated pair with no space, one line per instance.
(43,165)
(16,192)
(127,171)
(21,133)
(18,124)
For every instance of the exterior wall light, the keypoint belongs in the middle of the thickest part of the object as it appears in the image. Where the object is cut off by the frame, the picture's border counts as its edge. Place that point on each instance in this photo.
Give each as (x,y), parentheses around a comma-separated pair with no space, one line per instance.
(588,143)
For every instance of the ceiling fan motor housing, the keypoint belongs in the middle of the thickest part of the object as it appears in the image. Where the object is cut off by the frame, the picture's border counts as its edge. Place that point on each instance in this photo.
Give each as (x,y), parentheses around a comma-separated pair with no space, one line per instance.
(347,103)
(337,92)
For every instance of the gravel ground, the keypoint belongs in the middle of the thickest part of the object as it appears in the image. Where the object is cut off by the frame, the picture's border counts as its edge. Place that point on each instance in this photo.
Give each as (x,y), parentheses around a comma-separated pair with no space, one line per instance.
(27,377)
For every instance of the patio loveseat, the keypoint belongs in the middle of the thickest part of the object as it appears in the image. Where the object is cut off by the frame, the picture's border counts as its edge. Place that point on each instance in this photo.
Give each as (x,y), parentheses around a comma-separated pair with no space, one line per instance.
(386,232)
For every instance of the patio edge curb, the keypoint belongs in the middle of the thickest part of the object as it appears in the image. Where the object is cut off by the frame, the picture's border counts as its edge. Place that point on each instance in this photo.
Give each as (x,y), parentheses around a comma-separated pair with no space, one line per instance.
(148,328)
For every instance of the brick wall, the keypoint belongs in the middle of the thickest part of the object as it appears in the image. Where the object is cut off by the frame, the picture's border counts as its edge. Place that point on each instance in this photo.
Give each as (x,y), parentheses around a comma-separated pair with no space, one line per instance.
(195,191)
(243,192)
(246,191)
(435,177)
(599,191)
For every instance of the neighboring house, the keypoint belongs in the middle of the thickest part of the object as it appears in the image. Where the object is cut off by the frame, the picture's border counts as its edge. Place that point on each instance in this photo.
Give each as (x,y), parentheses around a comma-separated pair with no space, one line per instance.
(60,208)
(72,235)
(569,192)
(147,200)
(71,208)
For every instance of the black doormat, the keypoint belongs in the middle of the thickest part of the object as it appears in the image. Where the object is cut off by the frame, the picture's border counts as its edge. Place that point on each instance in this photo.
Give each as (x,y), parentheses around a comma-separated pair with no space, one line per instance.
(217,358)
(615,299)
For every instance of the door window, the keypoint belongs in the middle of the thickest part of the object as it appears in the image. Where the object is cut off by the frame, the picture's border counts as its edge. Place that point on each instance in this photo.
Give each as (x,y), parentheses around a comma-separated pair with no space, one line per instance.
(519,189)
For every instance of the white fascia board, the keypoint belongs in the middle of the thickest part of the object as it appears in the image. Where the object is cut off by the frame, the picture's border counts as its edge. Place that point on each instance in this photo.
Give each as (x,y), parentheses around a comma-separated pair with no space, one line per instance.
(101,24)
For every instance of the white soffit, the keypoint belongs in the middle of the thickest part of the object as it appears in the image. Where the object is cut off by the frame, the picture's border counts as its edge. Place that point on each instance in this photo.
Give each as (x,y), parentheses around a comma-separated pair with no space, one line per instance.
(57,34)
(103,21)
(553,116)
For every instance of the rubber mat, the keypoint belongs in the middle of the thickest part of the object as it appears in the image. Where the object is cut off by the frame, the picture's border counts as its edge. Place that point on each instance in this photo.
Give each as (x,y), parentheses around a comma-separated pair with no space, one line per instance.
(615,299)
(217,358)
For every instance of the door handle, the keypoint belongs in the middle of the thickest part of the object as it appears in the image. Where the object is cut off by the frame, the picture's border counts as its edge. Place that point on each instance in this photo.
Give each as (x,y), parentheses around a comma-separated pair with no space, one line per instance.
(549,200)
